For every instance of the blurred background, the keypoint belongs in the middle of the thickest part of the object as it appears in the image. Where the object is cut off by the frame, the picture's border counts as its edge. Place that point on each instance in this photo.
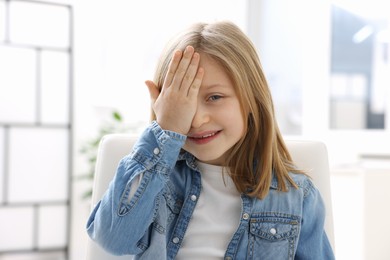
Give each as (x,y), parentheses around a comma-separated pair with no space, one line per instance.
(71,71)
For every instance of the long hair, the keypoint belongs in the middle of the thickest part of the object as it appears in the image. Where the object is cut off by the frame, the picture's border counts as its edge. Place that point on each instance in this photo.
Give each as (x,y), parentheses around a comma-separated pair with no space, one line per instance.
(261,152)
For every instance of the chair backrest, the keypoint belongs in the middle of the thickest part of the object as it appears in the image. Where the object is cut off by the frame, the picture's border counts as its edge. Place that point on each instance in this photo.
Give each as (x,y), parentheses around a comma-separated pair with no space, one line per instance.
(311,156)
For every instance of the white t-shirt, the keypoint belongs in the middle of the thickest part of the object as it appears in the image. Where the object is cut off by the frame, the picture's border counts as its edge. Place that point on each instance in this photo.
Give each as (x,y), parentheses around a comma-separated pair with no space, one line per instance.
(215,219)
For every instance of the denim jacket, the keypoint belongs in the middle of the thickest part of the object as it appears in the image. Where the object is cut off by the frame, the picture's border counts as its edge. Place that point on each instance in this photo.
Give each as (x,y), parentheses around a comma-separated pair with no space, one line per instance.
(151,222)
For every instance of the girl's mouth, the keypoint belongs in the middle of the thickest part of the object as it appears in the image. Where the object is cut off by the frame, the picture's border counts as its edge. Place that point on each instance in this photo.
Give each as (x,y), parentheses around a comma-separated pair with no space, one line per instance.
(203,138)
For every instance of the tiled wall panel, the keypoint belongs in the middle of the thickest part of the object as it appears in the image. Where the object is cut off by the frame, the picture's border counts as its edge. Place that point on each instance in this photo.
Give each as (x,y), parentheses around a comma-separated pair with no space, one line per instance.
(52,233)
(35,129)
(38,165)
(17,85)
(39,24)
(2,20)
(2,165)
(17,228)
(54,87)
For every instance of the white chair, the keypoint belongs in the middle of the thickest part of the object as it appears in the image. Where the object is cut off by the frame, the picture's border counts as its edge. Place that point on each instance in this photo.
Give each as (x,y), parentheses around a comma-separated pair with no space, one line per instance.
(311,156)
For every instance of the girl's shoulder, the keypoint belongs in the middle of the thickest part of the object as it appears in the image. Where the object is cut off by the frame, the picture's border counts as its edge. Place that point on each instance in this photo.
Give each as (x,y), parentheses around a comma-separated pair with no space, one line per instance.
(303,181)
(300,179)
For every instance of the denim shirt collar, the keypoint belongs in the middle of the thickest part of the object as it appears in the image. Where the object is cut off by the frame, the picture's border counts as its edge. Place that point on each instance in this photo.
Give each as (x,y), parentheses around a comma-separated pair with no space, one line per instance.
(274,182)
(189,158)
(191,162)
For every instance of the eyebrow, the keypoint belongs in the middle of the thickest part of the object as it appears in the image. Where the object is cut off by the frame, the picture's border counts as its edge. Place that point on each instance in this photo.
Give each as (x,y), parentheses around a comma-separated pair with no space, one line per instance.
(213,86)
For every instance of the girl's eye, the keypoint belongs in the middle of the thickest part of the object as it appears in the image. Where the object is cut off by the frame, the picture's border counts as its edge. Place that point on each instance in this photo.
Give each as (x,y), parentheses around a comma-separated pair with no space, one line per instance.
(215,97)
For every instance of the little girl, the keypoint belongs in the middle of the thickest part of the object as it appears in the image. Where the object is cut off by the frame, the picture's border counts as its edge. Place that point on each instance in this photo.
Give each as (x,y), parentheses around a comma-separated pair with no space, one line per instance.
(210,177)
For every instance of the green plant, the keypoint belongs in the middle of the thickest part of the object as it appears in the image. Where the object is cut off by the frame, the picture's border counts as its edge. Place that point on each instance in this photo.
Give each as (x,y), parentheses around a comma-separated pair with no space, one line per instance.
(89,149)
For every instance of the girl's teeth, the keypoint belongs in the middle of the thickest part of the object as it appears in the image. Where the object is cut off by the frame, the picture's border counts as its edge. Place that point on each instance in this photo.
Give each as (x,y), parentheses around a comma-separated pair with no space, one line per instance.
(205,136)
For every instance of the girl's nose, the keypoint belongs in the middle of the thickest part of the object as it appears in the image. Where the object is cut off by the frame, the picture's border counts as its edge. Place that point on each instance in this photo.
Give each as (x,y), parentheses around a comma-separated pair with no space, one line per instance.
(201,117)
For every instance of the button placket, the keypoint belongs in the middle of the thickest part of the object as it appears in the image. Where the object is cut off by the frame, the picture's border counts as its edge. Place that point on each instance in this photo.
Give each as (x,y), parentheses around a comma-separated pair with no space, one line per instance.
(193,197)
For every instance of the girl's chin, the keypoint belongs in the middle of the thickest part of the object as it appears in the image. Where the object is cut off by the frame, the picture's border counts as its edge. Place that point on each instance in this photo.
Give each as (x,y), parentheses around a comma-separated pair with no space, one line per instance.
(206,158)
(210,160)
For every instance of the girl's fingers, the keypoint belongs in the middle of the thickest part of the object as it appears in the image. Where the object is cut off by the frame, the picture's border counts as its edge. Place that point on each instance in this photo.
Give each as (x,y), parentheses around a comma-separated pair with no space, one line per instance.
(193,90)
(172,68)
(191,73)
(182,67)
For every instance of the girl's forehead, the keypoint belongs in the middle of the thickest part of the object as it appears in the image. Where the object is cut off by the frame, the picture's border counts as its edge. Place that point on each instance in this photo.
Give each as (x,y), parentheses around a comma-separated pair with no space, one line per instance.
(215,75)
(212,68)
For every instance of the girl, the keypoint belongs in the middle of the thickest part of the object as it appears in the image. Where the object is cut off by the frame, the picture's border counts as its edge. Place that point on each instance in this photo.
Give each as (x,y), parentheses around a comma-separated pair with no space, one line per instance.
(211,177)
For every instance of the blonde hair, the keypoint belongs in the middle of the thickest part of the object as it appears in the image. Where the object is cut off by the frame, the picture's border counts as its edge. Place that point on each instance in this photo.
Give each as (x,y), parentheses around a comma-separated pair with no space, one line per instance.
(261,152)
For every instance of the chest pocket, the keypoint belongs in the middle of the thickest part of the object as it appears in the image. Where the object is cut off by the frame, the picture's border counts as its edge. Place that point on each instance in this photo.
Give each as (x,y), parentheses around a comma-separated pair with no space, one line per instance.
(273,236)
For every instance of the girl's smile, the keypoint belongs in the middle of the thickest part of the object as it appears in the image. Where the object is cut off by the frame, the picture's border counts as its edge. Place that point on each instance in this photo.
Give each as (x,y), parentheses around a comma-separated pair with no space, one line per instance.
(203,138)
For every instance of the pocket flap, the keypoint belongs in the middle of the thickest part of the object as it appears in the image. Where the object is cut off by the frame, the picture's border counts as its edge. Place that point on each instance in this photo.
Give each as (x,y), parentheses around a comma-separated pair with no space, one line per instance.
(274,228)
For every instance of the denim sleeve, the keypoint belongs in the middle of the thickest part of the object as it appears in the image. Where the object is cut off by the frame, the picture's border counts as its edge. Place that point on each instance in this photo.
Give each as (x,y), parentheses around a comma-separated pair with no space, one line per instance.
(121,219)
(313,242)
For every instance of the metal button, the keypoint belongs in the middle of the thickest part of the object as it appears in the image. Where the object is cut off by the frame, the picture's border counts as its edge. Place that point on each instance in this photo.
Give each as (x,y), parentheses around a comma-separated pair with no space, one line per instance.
(228,258)
(156,151)
(193,197)
(272,231)
(176,240)
(245,216)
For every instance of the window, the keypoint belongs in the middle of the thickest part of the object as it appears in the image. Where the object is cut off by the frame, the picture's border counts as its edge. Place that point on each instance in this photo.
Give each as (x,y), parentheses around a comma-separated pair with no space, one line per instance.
(359,67)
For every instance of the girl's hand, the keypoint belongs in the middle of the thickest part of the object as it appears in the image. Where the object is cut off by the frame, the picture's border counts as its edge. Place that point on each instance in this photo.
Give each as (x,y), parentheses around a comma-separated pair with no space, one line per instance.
(176,105)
